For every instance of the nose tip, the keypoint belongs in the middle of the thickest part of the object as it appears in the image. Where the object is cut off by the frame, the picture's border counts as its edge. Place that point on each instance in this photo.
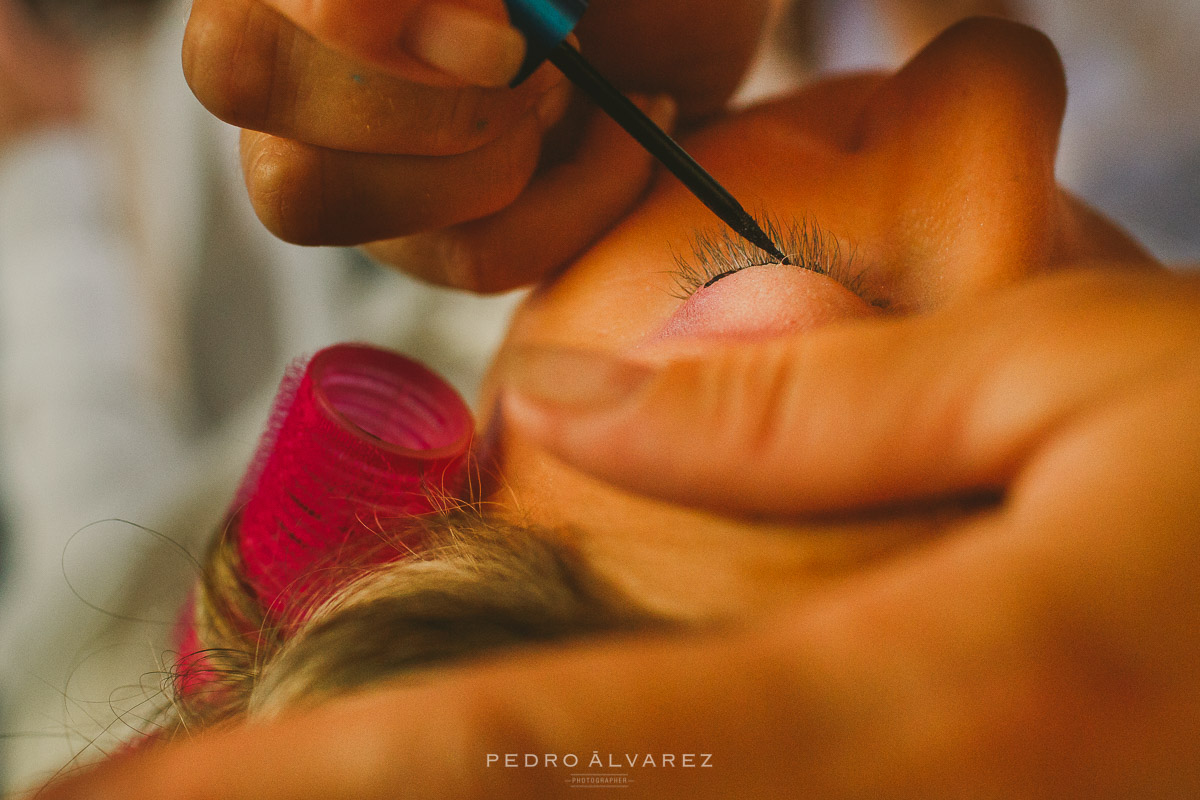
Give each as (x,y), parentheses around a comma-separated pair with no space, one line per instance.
(979,68)
(1007,57)
(965,138)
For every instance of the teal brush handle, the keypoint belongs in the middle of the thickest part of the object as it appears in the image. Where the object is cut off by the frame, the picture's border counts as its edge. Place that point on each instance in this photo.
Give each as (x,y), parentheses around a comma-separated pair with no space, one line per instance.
(545,24)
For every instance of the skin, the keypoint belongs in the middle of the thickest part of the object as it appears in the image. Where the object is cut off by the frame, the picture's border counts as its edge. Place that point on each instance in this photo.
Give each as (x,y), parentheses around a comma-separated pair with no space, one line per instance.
(1038,641)
(943,188)
(41,76)
(351,139)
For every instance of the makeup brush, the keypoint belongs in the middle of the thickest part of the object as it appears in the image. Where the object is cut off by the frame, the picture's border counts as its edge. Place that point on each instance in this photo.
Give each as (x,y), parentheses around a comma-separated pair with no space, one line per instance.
(668,152)
(546,24)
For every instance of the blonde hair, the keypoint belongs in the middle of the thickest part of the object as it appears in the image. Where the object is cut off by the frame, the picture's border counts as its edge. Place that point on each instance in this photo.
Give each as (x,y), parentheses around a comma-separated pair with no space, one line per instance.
(475,586)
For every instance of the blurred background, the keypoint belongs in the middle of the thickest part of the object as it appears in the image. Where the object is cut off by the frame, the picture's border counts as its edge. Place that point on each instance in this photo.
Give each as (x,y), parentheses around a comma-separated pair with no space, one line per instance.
(1131,141)
(146,316)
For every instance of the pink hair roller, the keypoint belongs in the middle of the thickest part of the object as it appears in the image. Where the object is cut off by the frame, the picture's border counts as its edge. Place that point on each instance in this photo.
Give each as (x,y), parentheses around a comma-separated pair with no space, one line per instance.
(359,439)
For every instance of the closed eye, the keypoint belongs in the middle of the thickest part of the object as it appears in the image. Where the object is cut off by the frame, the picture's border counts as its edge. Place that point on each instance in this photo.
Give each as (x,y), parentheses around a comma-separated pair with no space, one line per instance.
(719,253)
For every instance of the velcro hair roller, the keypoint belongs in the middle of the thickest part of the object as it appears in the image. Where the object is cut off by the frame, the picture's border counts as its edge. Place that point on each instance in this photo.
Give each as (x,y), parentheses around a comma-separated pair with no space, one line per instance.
(359,440)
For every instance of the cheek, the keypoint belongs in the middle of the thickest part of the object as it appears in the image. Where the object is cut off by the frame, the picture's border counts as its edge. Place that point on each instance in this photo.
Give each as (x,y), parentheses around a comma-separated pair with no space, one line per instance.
(660,556)
(632,542)
(536,488)
(688,565)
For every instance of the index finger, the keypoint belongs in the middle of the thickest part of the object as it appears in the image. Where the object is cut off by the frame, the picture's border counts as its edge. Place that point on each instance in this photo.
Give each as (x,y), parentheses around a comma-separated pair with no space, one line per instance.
(437,43)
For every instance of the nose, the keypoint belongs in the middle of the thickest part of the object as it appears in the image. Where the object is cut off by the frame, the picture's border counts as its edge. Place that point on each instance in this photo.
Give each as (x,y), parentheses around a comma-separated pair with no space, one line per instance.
(964,138)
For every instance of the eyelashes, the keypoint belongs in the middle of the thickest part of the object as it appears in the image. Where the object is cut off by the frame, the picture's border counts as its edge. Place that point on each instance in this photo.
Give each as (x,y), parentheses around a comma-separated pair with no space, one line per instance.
(719,253)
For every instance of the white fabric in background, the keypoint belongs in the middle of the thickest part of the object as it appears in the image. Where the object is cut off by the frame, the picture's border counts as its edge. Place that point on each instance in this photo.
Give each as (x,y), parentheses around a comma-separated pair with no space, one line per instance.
(145,319)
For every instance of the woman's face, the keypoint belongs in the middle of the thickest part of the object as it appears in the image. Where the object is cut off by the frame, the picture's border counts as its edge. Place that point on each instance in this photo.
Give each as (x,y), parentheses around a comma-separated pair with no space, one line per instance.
(909,192)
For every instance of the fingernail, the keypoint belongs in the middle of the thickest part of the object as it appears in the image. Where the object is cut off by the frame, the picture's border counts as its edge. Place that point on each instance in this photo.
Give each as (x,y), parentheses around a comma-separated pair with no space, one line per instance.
(464,44)
(575,380)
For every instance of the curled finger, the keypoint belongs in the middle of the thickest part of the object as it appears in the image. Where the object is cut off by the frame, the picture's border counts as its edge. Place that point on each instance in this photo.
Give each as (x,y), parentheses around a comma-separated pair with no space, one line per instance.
(561,211)
(312,195)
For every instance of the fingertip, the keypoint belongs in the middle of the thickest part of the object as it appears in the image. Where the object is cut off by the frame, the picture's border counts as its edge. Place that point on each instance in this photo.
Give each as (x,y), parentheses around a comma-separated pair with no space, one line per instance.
(574,404)
(574,382)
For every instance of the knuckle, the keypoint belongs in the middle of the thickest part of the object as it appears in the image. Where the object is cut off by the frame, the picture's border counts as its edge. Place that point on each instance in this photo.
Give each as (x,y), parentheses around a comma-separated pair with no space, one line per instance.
(463,119)
(508,165)
(757,386)
(284,180)
(231,57)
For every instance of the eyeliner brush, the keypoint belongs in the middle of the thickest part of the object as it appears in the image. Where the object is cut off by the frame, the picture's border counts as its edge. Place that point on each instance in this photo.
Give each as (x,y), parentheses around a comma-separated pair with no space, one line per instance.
(662,147)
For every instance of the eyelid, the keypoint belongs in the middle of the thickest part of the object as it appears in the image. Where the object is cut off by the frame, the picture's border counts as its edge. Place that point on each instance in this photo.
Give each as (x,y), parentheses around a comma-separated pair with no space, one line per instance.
(717,253)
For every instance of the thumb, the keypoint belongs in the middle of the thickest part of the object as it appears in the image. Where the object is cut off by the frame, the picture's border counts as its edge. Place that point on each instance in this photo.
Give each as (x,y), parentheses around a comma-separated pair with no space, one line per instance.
(861,414)
(428,41)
